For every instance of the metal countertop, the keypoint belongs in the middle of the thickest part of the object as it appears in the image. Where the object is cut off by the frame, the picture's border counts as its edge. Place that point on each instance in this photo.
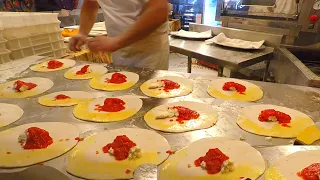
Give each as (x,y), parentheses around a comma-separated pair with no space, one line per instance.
(304,99)
(230,58)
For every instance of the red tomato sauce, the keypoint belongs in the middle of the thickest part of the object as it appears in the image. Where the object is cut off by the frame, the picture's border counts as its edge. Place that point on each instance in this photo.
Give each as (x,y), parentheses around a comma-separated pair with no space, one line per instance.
(54,64)
(311,172)
(170,152)
(121,146)
(186,114)
(169,85)
(83,70)
(111,105)
(282,118)
(18,84)
(61,97)
(214,159)
(37,139)
(239,87)
(117,78)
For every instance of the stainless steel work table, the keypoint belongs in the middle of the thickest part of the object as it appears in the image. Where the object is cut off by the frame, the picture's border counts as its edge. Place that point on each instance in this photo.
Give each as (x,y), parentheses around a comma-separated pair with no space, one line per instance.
(231,58)
(304,99)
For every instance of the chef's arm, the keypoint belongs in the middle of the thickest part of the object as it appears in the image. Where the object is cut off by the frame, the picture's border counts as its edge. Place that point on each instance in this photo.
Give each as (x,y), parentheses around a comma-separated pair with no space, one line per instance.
(88,16)
(154,14)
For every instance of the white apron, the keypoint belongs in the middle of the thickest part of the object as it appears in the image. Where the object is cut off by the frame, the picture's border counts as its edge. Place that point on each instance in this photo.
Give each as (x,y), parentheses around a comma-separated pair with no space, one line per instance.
(150,52)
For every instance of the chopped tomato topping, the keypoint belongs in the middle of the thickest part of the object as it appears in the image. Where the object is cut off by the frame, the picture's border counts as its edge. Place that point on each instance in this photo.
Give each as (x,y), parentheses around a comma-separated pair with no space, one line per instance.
(121,146)
(61,97)
(54,64)
(18,85)
(169,85)
(186,114)
(311,172)
(117,78)
(213,159)
(128,171)
(78,139)
(232,86)
(170,152)
(37,139)
(281,117)
(111,105)
(83,70)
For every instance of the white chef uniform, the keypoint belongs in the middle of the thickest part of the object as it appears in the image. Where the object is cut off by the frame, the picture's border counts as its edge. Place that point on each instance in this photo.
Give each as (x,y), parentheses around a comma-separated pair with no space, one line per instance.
(281,7)
(150,52)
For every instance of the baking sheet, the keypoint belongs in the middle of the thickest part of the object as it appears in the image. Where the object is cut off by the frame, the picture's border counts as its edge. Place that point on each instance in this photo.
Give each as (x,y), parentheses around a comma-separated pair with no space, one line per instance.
(304,99)
(192,35)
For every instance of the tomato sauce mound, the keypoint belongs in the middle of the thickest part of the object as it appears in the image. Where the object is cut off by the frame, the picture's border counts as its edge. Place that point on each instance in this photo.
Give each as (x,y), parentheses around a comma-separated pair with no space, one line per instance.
(169,85)
(229,86)
(61,97)
(83,70)
(37,139)
(18,84)
(214,159)
(111,105)
(121,146)
(117,78)
(311,172)
(282,118)
(185,114)
(54,64)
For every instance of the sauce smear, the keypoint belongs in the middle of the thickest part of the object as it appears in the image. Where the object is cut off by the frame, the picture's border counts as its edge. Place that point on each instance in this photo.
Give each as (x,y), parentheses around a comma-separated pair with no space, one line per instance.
(121,146)
(311,172)
(117,78)
(111,105)
(231,86)
(18,84)
(281,117)
(61,97)
(169,85)
(37,139)
(214,159)
(54,64)
(83,70)
(186,114)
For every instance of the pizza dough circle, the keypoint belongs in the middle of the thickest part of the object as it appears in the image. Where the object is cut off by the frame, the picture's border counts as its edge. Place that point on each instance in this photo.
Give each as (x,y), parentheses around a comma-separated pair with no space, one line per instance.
(208,118)
(97,70)
(248,161)
(248,121)
(186,87)
(9,114)
(288,166)
(43,85)
(76,97)
(63,135)
(252,93)
(42,67)
(85,111)
(100,84)
(88,161)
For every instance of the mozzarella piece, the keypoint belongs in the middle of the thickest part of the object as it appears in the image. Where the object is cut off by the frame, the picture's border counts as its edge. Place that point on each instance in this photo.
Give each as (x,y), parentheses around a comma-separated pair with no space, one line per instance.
(169,113)
(157,84)
(227,166)
(134,153)
(22,139)
(272,119)
(203,165)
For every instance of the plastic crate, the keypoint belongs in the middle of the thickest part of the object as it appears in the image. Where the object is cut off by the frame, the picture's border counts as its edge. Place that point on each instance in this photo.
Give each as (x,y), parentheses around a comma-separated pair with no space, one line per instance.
(58,45)
(4,57)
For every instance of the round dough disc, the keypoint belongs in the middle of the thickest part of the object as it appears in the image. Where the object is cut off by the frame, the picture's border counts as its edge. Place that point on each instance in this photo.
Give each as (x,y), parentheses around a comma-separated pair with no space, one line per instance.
(247,160)
(43,85)
(13,155)
(252,93)
(287,167)
(86,111)
(186,87)
(208,118)
(42,67)
(88,160)
(248,121)
(76,97)
(96,70)
(100,84)
(9,114)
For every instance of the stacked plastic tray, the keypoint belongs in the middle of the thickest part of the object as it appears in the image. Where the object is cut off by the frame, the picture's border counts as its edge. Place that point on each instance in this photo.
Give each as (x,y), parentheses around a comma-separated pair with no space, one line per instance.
(4,52)
(30,34)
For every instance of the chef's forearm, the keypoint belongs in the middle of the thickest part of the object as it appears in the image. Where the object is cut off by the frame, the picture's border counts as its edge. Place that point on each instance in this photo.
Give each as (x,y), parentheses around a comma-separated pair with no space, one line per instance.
(88,16)
(155,14)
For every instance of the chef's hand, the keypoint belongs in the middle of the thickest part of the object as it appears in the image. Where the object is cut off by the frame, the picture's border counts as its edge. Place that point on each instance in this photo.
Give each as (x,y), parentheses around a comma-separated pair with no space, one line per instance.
(77,41)
(103,43)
